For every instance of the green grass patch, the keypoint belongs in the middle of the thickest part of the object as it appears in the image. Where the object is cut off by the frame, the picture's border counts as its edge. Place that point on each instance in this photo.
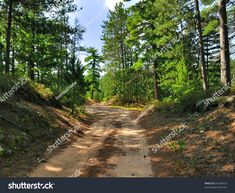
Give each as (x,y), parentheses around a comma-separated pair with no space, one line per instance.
(127,108)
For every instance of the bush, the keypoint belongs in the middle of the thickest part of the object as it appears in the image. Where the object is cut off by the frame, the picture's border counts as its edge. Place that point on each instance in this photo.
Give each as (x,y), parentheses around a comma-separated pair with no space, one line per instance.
(166,104)
(189,102)
(42,90)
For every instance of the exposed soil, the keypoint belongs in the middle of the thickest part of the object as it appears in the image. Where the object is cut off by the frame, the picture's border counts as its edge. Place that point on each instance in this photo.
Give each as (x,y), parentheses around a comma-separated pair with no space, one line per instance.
(208,143)
(113,146)
(27,129)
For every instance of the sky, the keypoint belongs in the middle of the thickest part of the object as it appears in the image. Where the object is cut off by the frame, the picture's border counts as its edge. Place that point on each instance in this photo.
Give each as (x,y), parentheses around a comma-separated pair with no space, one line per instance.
(92,15)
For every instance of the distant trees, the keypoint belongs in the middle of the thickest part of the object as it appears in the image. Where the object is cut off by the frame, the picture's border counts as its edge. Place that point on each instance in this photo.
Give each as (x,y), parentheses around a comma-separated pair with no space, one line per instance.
(93,70)
(115,51)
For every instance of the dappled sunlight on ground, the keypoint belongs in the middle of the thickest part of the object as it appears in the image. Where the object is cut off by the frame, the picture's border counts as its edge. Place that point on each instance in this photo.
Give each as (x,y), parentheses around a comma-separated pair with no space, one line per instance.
(112,146)
(53,169)
(209,145)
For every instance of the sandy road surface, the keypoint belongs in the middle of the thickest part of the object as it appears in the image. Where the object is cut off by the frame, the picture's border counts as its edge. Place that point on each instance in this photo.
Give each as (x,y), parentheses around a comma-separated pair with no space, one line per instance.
(114,146)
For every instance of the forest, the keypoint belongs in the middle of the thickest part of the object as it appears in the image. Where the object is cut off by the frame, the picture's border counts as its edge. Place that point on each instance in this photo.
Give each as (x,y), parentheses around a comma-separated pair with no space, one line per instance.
(167,50)
(175,55)
(154,50)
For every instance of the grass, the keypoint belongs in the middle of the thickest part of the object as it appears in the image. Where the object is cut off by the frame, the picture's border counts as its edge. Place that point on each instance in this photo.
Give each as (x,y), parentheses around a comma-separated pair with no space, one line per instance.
(127,108)
(42,90)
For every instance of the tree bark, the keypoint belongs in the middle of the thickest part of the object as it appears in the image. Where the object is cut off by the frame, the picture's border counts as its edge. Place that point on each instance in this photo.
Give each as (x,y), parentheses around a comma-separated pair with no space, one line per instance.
(224,44)
(32,58)
(31,69)
(1,58)
(155,76)
(92,94)
(8,37)
(201,48)
(13,61)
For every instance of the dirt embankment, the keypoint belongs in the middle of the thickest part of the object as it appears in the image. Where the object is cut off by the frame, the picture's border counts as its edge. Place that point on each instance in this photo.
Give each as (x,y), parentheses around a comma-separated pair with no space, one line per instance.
(206,147)
(28,124)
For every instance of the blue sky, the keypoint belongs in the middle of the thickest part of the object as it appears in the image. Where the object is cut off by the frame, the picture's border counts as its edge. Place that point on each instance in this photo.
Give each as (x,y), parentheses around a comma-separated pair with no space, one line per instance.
(92,15)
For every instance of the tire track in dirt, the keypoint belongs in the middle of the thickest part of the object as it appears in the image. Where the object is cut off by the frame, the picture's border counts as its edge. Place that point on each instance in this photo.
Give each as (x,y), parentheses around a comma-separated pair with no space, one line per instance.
(114,146)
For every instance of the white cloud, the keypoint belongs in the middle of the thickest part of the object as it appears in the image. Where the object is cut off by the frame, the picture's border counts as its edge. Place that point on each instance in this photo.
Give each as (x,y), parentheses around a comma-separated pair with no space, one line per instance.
(94,19)
(111,3)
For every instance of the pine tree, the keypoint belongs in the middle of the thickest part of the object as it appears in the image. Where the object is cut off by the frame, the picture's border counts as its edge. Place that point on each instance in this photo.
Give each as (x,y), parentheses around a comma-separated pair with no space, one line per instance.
(224,43)
(93,70)
(201,47)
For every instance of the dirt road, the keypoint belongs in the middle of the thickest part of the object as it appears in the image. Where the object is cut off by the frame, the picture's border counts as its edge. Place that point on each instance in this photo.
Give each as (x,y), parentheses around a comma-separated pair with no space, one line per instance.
(114,146)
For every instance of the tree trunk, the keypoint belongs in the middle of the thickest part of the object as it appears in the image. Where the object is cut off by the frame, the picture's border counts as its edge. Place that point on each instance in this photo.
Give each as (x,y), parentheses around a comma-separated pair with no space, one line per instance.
(155,76)
(92,94)
(60,66)
(93,78)
(32,58)
(201,47)
(1,58)
(224,44)
(8,37)
(207,56)
(31,69)
(13,61)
